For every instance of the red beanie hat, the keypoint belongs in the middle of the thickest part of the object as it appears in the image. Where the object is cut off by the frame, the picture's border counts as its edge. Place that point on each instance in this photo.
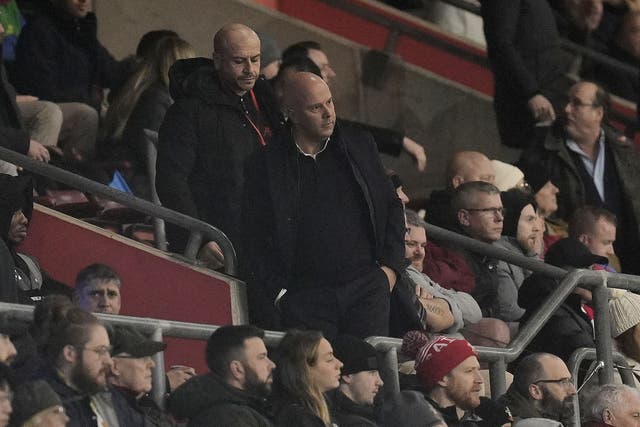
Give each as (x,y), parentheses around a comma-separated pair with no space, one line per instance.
(439,357)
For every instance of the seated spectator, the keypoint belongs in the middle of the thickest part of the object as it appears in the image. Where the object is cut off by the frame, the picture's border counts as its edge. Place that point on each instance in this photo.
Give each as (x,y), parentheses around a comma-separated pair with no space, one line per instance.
(144,99)
(449,371)
(545,194)
(307,368)
(410,409)
(477,207)
(131,371)
(149,41)
(35,404)
(624,312)
(233,393)
(595,227)
(614,405)
(520,235)
(30,283)
(387,140)
(360,382)
(62,38)
(419,303)
(569,327)
(542,388)
(98,291)
(270,56)
(78,355)
(464,166)
(6,387)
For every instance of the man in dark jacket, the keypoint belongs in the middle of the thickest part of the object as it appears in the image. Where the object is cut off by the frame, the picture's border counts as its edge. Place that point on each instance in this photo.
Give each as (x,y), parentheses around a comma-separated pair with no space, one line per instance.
(234,392)
(360,382)
(590,165)
(323,222)
(222,113)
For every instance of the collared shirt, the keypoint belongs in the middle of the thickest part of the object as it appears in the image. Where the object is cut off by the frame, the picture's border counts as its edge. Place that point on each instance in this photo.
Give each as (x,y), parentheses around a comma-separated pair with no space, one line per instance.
(595,169)
(313,156)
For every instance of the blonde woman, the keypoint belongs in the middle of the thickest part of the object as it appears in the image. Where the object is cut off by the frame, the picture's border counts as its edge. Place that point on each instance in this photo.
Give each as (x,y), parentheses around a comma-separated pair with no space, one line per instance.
(305,370)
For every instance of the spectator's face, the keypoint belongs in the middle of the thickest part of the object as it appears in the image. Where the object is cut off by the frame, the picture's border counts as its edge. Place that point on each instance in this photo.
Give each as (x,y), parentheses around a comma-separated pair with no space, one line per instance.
(258,367)
(464,383)
(626,413)
(102,297)
(629,38)
(53,417)
(314,115)
(583,118)
(7,350)
(363,386)
(92,362)
(75,8)
(554,388)
(547,199)
(482,220)
(238,64)
(134,373)
(18,228)
(5,406)
(321,60)
(415,244)
(325,373)
(600,240)
(528,228)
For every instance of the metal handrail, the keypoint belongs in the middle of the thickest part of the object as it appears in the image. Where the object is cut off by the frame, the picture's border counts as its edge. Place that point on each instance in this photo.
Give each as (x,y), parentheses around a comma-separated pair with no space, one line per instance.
(197,228)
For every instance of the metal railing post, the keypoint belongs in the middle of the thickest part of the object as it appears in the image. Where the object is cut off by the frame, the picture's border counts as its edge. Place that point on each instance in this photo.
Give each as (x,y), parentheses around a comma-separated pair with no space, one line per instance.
(497,377)
(604,345)
(160,385)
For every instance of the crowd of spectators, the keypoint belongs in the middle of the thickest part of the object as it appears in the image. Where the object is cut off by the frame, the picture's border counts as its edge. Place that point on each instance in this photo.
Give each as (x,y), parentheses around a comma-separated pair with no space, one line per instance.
(250,141)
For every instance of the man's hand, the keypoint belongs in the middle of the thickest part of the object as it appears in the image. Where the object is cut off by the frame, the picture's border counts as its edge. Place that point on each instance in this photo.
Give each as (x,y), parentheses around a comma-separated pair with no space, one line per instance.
(178,375)
(38,151)
(541,109)
(26,98)
(416,151)
(211,256)
(391,276)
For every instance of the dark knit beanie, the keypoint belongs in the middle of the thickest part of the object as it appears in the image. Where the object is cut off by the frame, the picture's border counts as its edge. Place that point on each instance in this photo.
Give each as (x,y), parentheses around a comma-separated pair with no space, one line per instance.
(356,354)
(513,201)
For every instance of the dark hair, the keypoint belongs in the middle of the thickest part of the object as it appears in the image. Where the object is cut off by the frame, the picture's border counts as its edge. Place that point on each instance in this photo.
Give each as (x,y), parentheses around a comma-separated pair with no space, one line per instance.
(584,219)
(46,314)
(94,274)
(514,201)
(73,329)
(466,191)
(414,219)
(529,370)
(297,63)
(300,49)
(148,41)
(227,344)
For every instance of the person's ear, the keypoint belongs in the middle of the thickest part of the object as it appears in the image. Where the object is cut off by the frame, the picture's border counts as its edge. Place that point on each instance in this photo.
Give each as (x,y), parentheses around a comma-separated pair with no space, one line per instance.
(457,180)
(347,379)
(584,239)
(237,370)
(535,391)
(69,353)
(607,416)
(463,217)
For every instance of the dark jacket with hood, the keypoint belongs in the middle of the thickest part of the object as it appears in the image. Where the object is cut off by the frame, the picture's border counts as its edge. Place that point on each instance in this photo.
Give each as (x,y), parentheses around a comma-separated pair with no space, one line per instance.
(203,144)
(59,59)
(272,210)
(28,282)
(348,413)
(207,401)
(569,328)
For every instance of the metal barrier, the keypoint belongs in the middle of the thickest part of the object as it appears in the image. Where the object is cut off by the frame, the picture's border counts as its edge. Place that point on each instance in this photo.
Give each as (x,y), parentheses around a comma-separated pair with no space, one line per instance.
(198,229)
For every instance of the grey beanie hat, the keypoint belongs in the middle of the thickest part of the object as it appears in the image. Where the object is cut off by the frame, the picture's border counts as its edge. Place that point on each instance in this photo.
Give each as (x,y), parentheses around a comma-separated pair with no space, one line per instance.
(31,398)
(624,312)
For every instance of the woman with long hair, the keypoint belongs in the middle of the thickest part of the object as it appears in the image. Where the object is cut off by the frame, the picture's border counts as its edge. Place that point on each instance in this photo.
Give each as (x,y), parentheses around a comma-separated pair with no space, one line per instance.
(306,369)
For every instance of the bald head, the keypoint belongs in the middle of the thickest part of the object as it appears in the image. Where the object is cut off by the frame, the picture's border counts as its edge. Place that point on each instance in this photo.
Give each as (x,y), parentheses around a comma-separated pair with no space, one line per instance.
(309,106)
(237,57)
(466,166)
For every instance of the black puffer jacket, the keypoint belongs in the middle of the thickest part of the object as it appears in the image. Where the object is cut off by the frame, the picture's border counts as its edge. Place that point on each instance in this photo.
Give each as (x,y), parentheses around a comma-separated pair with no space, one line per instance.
(203,143)
(207,401)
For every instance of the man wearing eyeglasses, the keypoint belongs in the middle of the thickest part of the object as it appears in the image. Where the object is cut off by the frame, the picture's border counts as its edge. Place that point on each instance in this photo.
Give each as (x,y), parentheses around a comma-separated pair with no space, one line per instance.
(591,165)
(542,388)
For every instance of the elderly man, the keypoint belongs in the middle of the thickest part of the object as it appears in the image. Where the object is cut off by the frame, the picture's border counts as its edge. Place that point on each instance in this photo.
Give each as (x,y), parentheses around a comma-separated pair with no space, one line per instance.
(223,112)
(323,221)
(590,165)
(614,405)
(542,388)
(233,393)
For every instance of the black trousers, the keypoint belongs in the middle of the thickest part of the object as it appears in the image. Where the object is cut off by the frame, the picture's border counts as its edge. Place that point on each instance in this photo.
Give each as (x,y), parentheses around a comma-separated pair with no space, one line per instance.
(359,307)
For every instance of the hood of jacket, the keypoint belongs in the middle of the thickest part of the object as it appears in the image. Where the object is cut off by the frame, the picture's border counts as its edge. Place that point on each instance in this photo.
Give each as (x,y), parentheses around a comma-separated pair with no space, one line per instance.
(17,193)
(202,392)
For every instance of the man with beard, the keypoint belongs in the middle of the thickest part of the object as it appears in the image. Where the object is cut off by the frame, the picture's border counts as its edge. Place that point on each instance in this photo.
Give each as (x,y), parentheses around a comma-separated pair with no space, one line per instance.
(78,350)
(234,392)
(542,388)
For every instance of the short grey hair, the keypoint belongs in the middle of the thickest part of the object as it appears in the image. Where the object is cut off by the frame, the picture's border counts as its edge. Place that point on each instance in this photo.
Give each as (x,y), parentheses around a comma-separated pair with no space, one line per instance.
(609,396)
(466,193)
(413,219)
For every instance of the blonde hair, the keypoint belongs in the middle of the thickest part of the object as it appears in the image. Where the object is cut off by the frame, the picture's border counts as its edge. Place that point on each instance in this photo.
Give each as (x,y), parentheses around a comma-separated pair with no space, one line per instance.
(153,68)
(298,352)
